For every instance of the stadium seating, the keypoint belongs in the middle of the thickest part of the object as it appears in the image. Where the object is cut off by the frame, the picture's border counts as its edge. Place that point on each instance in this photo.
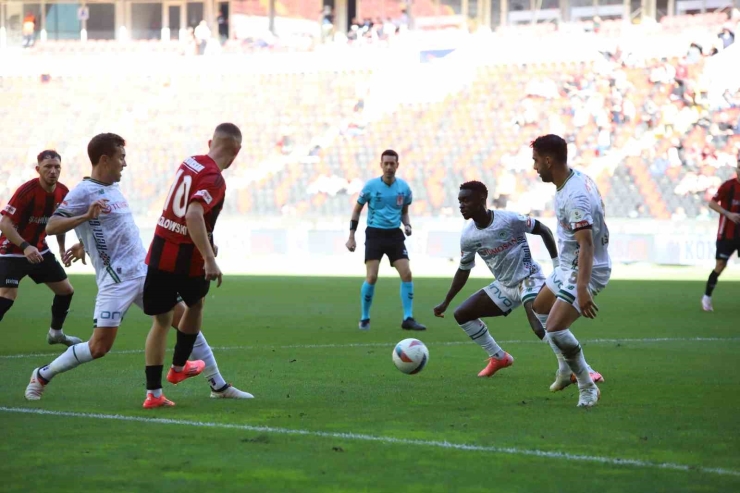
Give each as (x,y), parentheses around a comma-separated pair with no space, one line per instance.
(302,129)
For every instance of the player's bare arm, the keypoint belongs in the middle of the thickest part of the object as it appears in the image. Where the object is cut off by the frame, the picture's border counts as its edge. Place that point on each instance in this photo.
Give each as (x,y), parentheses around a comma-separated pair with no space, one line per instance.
(30,251)
(585,240)
(405,220)
(732,216)
(199,234)
(61,242)
(354,221)
(58,225)
(458,282)
(546,234)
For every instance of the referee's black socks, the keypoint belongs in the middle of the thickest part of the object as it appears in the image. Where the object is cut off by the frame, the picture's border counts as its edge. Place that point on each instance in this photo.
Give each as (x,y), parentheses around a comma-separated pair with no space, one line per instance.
(5,304)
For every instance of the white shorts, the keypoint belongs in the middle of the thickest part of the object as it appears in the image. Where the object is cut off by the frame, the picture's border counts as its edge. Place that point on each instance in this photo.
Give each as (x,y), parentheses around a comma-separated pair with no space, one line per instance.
(114,300)
(507,298)
(562,282)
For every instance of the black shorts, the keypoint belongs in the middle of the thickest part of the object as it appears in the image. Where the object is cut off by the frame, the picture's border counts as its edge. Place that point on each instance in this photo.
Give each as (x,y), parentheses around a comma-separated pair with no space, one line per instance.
(164,290)
(14,269)
(725,248)
(379,242)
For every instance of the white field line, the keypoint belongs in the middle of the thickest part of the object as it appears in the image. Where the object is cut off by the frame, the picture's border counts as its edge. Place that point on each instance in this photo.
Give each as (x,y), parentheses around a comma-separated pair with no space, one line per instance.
(387,344)
(612,461)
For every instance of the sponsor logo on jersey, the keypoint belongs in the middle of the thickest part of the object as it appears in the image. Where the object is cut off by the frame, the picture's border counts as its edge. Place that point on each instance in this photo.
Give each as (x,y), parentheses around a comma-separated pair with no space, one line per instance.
(193,165)
(501,248)
(206,196)
(114,206)
(38,219)
(173,226)
(10,209)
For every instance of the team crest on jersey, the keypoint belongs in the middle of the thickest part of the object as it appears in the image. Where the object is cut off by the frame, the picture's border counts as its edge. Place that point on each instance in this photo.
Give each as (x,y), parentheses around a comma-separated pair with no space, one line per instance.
(10,209)
(502,234)
(399,199)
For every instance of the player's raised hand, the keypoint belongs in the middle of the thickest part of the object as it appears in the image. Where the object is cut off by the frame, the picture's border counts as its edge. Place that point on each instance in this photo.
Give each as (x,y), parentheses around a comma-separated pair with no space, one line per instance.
(407,229)
(73,254)
(33,255)
(213,272)
(96,208)
(734,217)
(586,302)
(439,310)
(351,244)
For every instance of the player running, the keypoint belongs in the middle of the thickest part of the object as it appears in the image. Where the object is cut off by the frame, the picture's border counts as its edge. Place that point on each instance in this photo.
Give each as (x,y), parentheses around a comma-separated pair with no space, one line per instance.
(585,266)
(182,262)
(388,199)
(23,248)
(727,203)
(100,215)
(500,240)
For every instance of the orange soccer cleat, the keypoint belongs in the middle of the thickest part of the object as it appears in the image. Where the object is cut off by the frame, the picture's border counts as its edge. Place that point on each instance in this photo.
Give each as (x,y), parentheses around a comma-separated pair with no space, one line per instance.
(495,365)
(152,402)
(191,369)
(595,376)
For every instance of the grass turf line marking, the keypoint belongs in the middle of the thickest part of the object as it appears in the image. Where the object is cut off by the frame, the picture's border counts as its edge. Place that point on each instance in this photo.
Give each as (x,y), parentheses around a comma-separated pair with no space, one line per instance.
(388,440)
(388,344)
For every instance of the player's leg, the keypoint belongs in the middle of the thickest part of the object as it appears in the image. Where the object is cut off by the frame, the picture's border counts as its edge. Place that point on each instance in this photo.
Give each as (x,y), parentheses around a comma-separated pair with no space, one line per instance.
(51,273)
(159,297)
(541,308)
(486,303)
(561,317)
(724,251)
(111,305)
(202,351)
(12,271)
(367,292)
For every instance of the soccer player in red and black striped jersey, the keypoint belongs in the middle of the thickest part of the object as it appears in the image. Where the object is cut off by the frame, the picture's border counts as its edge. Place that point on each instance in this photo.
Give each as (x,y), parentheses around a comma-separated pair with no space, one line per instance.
(727,203)
(23,248)
(181,259)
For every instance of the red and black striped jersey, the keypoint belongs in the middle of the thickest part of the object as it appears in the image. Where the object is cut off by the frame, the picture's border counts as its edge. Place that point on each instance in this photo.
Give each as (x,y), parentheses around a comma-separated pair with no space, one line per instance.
(728,197)
(30,209)
(198,179)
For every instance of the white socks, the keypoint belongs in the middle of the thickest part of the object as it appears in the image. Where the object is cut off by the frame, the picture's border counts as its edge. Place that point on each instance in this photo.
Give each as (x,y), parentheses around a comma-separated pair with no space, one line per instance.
(202,351)
(73,357)
(573,355)
(156,393)
(562,365)
(478,332)
(55,333)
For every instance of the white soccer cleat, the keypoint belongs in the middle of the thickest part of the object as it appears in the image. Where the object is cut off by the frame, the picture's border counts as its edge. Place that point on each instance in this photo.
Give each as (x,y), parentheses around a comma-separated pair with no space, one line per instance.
(35,388)
(231,392)
(706,303)
(562,380)
(588,395)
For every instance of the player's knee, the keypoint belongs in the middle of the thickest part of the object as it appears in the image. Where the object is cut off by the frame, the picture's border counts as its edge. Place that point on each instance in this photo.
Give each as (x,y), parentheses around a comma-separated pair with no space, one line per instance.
(462,315)
(721,264)
(98,349)
(406,276)
(371,278)
(539,306)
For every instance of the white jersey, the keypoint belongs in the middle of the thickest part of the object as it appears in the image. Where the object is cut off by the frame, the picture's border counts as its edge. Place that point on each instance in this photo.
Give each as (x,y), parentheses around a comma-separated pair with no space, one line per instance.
(112,240)
(503,247)
(578,205)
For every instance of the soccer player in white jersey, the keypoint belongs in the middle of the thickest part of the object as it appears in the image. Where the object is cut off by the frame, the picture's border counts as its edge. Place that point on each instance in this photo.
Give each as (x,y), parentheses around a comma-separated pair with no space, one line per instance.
(100,215)
(585,266)
(499,238)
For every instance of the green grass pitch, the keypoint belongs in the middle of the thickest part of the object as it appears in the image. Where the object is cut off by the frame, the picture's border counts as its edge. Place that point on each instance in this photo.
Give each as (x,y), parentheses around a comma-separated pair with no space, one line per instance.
(332,413)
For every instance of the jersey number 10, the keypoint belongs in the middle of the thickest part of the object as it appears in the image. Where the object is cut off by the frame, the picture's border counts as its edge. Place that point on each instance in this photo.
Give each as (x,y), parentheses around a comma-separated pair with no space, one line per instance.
(181,190)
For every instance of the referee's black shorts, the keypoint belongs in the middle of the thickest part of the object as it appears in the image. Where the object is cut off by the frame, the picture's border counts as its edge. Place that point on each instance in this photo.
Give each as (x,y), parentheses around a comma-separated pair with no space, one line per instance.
(390,242)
